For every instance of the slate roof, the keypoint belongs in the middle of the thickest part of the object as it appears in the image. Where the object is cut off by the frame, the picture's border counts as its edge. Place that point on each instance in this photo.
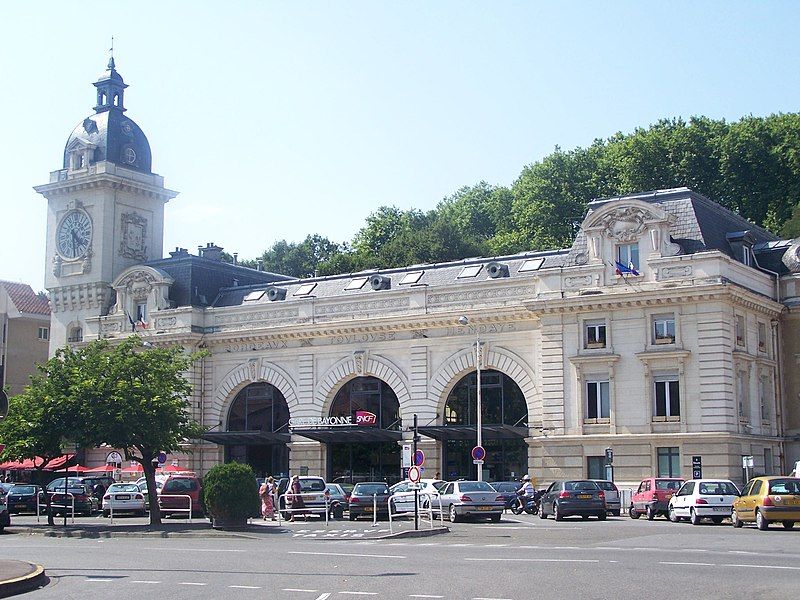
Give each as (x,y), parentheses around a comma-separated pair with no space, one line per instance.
(25,299)
(433,275)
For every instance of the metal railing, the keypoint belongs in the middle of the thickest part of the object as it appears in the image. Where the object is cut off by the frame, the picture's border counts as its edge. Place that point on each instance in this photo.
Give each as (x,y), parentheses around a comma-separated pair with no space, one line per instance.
(111,507)
(64,506)
(173,510)
(287,502)
(420,510)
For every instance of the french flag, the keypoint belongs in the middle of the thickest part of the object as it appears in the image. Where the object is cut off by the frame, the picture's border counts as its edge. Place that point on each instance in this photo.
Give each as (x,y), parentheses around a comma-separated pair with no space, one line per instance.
(623,270)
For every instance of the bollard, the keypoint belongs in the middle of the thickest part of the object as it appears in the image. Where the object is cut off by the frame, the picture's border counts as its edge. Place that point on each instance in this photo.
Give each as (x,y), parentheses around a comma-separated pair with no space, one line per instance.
(374,510)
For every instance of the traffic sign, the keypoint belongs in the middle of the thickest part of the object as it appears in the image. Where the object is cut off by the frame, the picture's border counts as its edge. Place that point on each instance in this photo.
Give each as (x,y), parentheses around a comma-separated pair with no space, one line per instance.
(419,458)
(162,458)
(414,474)
(478,453)
(697,467)
(477,462)
(406,457)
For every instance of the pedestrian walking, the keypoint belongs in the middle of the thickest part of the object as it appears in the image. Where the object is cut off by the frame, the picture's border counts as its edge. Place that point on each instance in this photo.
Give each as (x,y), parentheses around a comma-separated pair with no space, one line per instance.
(267,503)
(297,504)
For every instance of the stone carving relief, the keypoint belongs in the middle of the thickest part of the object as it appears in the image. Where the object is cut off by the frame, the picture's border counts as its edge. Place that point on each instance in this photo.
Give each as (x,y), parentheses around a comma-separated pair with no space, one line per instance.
(252,369)
(57,265)
(134,236)
(360,362)
(138,285)
(671,249)
(109,328)
(578,281)
(166,322)
(674,272)
(624,224)
(581,258)
(791,258)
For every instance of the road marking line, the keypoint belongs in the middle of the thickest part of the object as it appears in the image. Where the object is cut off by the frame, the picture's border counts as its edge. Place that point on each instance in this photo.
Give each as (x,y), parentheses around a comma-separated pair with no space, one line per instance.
(570,560)
(496,545)
(192,549)
(763,567)
(345,554)
(687,564)
(323,596)
(142,581)
(491,599)
(100,579)
(423,596)
(191,583)
(360,593)
(245,587)
(300,590)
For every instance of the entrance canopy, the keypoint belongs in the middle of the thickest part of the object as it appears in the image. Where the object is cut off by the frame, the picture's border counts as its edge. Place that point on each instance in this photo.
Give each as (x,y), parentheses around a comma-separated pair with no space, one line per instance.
(470,432)
(350,435)
(247,438)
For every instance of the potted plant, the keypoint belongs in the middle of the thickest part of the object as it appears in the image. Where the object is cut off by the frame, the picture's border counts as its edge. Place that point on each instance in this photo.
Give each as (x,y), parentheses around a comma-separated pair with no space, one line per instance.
(230,495)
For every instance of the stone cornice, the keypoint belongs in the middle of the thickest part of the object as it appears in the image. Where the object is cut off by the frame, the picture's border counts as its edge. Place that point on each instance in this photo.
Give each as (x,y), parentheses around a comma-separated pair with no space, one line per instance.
(605,358)
(116,182)
(651,438)
(672,354)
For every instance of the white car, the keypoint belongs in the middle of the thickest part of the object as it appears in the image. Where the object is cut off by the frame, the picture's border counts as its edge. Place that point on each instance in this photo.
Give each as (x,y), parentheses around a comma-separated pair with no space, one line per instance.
(123,497)
(402,499)
(471,499)
(703,499)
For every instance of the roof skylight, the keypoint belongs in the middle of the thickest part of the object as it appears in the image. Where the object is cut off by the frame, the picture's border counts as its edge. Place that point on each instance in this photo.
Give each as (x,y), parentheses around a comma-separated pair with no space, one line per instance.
(253,296)
(412,277)
(469,271)
(532,264)
(357,283)
(305,289)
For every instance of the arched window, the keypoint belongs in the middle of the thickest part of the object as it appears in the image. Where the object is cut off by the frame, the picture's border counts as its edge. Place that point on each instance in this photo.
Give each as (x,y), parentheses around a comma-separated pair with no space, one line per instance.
(258,407)
(75,335)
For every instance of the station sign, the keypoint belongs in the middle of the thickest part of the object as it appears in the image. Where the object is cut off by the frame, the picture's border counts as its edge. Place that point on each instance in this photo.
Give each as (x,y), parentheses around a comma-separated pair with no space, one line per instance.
(362,418)
(406,455)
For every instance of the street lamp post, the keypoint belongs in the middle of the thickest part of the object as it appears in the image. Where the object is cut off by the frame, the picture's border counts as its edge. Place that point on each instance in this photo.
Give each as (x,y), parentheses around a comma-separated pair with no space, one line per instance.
(465,321)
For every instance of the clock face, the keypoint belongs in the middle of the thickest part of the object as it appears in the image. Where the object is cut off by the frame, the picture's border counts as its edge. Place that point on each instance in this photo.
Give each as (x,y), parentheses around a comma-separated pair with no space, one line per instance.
(74,234)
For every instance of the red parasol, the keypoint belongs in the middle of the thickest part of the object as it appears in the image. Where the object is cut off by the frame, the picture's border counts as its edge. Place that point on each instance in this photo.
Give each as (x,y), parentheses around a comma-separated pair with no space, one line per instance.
(73,469)
(137,468)
(101,469)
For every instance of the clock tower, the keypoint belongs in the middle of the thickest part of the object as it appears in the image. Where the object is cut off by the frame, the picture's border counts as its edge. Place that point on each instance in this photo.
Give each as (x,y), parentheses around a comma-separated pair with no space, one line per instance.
(105,213)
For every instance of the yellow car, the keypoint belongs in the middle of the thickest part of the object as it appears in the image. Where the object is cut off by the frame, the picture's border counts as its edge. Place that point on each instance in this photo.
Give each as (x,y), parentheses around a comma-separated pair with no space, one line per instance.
(766,500)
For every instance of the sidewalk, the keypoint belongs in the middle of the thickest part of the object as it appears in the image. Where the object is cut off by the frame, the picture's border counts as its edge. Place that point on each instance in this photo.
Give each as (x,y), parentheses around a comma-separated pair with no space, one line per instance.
(17,577)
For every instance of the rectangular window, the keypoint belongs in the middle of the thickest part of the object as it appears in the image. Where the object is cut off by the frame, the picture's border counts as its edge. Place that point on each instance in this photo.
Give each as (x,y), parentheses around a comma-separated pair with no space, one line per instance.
(764,397)
(628,255)
(739,330)
(470,271)
(412,277)
(532,264)
(664,329)
(44,333)
(596,467)
(741,395)
(594,334)
(668,399)
(669,462)
(597,400)
(768,468)
(762,337)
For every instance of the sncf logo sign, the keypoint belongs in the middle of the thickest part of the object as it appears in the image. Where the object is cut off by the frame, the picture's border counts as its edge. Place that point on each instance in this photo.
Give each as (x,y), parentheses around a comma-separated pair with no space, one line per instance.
(364,417)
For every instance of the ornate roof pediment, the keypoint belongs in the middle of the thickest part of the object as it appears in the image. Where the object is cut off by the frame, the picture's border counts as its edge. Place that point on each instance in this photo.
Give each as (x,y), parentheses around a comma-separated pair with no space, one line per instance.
(626,222)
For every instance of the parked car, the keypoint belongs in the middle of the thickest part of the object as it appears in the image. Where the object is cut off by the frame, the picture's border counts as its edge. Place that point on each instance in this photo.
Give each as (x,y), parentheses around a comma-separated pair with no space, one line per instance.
(470,499)
(703,499)
(338,500)
(652,497)
(766,500)
(172,499)
(313,491)
(4,487)
(5,517)
(123,497)
(22,497)
(369,498)
(613,502)
(402,499)
(82,493)
(577,497)
(507,489)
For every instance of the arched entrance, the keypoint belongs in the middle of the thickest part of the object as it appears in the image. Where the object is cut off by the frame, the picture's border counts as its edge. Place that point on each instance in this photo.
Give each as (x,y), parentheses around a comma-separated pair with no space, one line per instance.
(365,452)
(504,427)
(256,432)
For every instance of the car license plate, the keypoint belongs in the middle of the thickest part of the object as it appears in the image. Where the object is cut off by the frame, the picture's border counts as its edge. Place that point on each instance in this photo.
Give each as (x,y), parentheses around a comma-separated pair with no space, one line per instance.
(484,508)
(123,496)
(20,505)
(792,502)
(584,496)
(721,509)
(367,509)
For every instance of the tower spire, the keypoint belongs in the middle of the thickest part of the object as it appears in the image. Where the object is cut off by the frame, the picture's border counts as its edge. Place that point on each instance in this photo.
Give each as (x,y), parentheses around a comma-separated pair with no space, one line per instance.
(111,65)
(110,86)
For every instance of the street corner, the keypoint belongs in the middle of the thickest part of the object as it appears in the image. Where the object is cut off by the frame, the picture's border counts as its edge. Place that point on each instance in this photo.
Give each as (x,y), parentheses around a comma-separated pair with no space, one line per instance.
(17,577)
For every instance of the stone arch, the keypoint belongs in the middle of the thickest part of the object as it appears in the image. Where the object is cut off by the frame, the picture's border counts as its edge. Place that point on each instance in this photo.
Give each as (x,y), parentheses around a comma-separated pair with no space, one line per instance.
(253,371)
(494,357)
(360,364)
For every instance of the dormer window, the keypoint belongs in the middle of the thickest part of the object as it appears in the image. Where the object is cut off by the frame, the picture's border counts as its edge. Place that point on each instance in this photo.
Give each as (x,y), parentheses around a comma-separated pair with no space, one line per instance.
(628,255)
(746,256)
(75,335)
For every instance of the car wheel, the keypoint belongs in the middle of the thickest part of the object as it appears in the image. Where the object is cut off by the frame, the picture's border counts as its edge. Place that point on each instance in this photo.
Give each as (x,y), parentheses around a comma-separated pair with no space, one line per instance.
(496,519)
(761,522)
(716,520)
(453,514)
(650,513)
(556,513)
(694,517)
(616,513)
(788,524)
(352,516)
(672,516)
(542,514)
(633,513)
(735,520)
(602,516)
(106,514)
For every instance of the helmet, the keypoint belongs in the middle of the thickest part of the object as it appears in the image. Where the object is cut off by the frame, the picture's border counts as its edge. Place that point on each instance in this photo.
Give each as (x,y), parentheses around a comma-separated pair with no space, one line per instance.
(526,478)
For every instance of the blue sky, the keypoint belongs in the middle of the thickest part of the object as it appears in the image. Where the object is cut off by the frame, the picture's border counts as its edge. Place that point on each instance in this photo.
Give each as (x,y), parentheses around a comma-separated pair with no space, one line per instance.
(275,120)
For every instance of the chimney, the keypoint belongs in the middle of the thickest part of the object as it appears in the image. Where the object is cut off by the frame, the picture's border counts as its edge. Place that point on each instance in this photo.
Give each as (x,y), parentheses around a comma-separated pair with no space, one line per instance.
(236,258)
(211,251)
(260,265)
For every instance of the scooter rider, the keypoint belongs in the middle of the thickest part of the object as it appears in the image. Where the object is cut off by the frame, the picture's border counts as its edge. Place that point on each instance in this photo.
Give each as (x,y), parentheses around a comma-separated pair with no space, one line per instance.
(526,489)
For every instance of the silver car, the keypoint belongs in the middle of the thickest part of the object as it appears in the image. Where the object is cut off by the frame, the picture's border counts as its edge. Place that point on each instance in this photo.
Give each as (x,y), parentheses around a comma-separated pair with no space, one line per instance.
(613,504)
(471,499)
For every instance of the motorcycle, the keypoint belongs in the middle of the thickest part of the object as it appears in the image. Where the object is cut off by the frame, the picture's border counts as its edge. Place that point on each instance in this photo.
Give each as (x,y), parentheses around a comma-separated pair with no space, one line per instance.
(525,503)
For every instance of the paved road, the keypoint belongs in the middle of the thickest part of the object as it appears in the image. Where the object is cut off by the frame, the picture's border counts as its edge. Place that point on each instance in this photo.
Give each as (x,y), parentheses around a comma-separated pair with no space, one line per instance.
(519,558)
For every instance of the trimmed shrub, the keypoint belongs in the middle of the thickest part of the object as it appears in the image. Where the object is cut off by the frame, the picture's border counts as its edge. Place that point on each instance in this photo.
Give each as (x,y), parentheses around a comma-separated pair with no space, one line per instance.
(230,492)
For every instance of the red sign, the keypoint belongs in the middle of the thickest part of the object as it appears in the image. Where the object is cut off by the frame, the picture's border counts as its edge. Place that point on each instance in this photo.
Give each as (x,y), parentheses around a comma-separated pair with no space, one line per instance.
(364,417)
(478,453)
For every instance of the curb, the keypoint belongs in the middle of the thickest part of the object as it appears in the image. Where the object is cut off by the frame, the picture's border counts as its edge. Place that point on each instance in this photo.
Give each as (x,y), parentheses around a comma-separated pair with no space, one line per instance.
(419,533)
(26,583)
(105,534)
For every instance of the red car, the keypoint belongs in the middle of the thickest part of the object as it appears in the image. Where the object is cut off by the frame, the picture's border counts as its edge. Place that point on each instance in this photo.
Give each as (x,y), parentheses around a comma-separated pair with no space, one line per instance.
(652,497)
(172,499)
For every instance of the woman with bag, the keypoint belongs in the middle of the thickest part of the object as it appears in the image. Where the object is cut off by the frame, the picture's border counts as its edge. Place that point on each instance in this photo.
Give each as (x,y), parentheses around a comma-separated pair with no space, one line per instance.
(297,504)
(267,505)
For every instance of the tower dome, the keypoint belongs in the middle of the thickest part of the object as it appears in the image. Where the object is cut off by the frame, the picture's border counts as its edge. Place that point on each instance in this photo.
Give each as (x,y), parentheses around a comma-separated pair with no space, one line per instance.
(108,134)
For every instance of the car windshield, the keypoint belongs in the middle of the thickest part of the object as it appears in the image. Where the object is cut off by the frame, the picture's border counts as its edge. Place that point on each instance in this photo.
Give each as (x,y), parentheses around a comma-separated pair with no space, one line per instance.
(59,483)
(718,488)
(367,489)
(475,486)
(124,487)
(312,485)
(22,489)
(334,489)
(666,484)
(180,485)
(71,490)
(784,486)
(607,486)
(506,486)
(572,486)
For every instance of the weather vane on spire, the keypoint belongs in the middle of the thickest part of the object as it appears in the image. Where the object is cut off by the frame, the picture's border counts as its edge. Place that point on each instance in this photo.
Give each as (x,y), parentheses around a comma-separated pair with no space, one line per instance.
(111,54)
